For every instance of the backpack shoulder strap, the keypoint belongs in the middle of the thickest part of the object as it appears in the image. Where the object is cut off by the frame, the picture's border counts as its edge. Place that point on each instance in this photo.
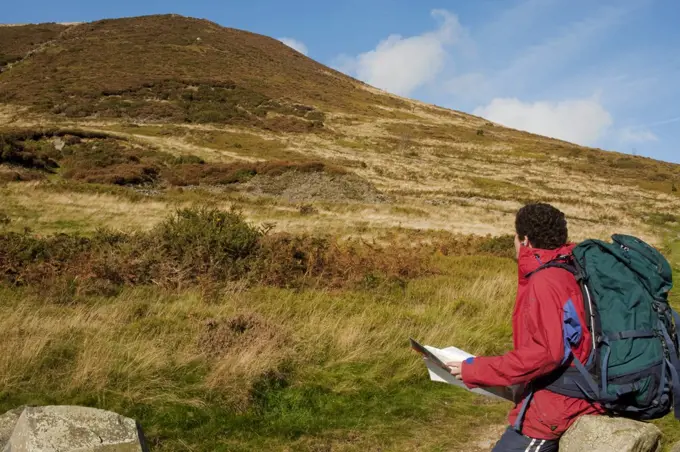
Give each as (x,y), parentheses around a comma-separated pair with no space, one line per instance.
(568,263)
(565,262)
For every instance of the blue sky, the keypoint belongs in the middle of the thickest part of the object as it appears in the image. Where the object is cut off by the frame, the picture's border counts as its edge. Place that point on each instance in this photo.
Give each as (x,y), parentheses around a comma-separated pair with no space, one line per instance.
(604,73)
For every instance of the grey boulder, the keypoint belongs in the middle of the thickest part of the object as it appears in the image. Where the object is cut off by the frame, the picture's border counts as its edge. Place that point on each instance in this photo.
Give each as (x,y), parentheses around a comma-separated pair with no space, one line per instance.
(608,434)
(59,144)
(7,423)
(69,429)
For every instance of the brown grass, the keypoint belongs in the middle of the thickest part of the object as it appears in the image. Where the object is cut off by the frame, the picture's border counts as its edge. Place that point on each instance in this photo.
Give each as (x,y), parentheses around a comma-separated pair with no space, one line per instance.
(14,173)
(141,346)
(17,42)
(224,174)
(103,159)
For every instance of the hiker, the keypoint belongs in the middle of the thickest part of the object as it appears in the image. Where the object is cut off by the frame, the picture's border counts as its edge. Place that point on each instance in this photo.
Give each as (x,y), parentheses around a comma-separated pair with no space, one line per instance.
(549,305)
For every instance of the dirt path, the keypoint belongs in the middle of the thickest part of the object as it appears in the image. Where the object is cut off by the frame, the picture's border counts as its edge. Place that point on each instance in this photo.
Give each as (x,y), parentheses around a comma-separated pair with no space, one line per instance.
(487,438)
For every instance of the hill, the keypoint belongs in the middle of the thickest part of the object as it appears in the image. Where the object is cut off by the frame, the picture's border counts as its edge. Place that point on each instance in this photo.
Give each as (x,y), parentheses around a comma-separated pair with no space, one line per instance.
(173,68)
(233,96)
(207,231)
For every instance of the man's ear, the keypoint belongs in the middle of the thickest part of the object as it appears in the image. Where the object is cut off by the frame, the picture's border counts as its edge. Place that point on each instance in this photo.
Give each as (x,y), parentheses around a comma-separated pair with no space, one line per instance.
(526,242)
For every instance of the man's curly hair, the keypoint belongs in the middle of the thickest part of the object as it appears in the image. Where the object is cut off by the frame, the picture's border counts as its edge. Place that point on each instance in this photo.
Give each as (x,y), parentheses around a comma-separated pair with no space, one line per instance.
(543,224)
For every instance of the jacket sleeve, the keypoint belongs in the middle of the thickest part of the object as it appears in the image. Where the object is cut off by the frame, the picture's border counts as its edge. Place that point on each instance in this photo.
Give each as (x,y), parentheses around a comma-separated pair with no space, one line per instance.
(540,350)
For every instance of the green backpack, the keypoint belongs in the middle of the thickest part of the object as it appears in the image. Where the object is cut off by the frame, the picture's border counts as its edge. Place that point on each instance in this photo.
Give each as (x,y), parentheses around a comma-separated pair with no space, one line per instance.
(634,368)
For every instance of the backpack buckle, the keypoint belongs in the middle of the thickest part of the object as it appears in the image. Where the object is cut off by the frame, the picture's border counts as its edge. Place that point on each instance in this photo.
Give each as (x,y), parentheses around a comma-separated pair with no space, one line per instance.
(602,339)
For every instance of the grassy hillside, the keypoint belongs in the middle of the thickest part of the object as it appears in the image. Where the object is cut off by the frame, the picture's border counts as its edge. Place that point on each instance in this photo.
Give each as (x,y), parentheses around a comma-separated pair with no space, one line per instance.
(235,247)
(18,41)
(121,67)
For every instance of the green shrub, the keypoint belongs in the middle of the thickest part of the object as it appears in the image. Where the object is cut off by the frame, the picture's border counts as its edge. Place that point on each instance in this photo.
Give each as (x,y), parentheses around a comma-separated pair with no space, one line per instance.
(503,246)
(208,241)
(25,153)
(628,163)
(188,159)
(466,245)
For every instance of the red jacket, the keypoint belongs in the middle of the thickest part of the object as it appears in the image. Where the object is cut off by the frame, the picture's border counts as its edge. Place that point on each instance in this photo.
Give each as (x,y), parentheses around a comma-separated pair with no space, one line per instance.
(537,324)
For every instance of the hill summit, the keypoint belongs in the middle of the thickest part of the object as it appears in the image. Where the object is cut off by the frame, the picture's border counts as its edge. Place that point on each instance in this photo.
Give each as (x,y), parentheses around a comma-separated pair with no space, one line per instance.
(171,68)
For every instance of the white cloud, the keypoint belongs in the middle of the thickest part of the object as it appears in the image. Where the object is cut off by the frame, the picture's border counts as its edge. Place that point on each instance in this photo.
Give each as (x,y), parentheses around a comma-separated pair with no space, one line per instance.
(295,44)
(400,65)
(637,135)
(472,86)
(581,121)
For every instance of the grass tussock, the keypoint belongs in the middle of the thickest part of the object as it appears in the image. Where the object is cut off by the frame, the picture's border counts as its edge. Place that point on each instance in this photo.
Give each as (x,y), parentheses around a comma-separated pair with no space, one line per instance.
(642,172)
(250,145)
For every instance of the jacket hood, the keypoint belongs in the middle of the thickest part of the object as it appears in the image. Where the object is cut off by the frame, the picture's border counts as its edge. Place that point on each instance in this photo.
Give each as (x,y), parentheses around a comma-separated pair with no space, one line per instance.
(531,258)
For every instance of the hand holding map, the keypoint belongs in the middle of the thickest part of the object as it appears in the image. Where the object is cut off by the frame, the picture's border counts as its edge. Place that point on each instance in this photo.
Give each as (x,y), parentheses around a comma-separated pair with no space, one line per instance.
(436,359)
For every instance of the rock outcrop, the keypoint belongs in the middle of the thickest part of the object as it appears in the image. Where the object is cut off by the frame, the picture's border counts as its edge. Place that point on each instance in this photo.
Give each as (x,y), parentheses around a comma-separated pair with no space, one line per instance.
(607,434)
(68,428)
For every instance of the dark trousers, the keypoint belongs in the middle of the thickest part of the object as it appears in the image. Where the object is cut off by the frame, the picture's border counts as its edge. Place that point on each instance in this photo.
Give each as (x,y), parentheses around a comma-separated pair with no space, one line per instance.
(511,441)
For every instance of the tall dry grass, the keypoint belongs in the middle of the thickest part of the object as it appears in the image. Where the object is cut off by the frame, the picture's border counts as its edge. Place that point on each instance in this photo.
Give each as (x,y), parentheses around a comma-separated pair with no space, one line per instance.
(154,348)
